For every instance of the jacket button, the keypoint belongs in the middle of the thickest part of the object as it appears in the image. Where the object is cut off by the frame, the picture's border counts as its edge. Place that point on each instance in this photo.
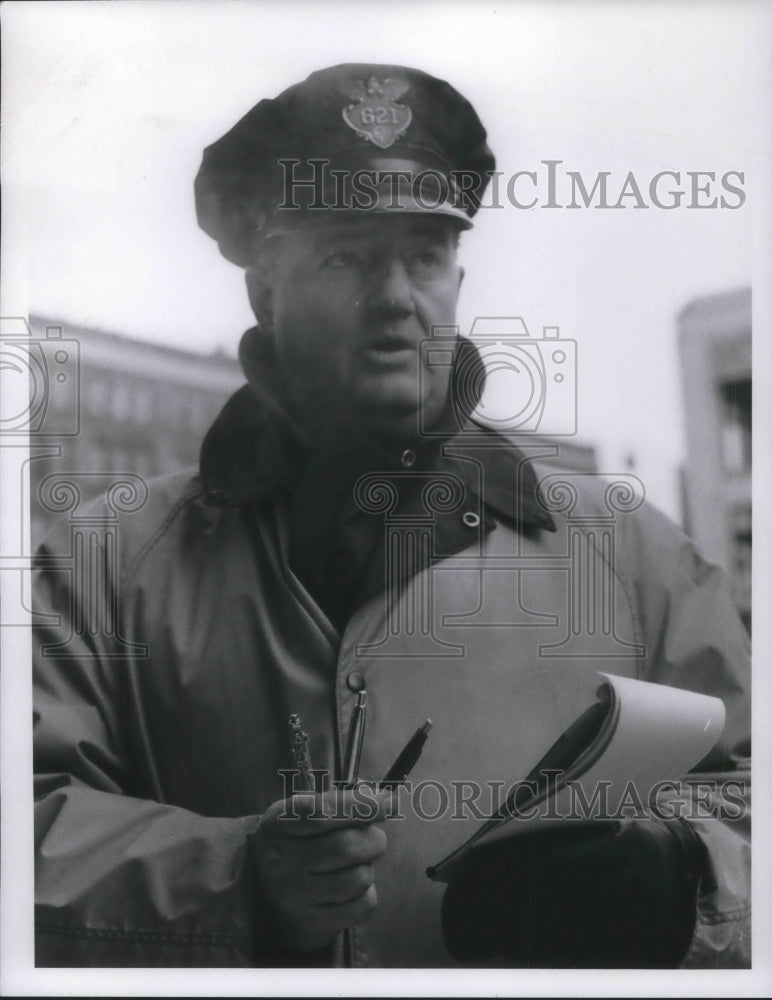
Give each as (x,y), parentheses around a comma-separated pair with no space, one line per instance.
(355,682)
(216,495)
(470,519)
(407,459)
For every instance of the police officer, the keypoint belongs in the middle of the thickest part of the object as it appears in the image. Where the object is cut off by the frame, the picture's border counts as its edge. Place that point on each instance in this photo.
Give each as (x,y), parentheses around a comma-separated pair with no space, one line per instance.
(270,582)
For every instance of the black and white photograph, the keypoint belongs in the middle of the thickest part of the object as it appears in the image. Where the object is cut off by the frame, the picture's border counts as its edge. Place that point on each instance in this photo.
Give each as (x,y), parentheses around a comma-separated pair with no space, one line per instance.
(383,535)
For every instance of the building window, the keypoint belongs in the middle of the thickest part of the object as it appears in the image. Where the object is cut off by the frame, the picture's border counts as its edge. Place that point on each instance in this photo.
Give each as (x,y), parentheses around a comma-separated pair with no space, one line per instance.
(122,400)
(740,538)
(97,394)
(143,403)
(736,424)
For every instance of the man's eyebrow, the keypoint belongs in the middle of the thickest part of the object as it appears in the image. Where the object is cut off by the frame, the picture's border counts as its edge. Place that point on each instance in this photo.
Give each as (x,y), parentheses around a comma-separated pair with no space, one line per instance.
(346,233)
(352,233)
(429,227)
(425,223)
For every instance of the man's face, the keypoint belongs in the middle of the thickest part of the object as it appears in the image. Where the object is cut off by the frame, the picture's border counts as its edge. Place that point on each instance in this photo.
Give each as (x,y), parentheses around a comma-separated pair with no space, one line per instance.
(349,304)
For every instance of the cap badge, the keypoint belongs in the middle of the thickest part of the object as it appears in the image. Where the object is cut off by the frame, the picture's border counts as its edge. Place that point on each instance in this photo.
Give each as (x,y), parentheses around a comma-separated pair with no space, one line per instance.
(377,117)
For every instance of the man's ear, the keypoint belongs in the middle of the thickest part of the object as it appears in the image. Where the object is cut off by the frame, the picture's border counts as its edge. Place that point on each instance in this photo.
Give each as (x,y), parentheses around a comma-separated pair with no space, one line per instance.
(260,297)
(461,273)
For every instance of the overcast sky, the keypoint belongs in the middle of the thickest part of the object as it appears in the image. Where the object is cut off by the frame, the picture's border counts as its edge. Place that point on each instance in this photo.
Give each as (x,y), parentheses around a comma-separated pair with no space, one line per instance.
(107,108)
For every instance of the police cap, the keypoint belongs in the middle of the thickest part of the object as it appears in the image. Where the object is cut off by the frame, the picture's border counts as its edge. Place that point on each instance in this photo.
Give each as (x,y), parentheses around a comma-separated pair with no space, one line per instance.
(351,138)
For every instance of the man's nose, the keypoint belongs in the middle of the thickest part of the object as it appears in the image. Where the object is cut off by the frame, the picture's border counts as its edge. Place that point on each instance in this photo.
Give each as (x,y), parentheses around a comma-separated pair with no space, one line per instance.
(391,294)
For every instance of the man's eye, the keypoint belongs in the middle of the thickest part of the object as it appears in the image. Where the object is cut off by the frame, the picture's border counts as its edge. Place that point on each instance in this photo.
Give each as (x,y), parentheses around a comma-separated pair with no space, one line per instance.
(341,260)
(426,263)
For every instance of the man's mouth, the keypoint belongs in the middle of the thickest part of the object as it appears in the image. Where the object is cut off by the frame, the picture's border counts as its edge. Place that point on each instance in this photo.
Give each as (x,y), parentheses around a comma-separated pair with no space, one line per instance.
(389,347)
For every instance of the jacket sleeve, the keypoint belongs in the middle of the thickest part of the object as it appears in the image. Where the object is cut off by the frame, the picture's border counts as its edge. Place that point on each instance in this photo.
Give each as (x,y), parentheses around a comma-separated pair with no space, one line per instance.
(122,879)
(695,640)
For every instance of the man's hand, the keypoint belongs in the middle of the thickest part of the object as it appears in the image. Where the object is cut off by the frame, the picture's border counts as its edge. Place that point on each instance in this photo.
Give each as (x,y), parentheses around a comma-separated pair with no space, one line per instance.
(315,858)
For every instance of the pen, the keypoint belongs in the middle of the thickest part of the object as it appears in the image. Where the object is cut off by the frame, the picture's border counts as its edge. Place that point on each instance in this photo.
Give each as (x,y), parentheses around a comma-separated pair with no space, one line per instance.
(356,737)
(300,753)
(408,759)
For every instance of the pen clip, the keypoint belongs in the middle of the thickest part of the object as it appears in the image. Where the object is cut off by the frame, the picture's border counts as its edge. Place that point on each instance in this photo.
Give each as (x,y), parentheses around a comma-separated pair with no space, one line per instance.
(355,741)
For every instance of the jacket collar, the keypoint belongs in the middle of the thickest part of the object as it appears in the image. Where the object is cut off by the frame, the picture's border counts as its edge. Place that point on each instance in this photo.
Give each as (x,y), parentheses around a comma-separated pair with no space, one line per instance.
(254,449)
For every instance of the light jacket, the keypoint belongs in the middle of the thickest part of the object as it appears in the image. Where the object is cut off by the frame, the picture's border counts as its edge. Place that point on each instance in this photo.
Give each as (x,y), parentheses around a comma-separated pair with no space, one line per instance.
(178,641)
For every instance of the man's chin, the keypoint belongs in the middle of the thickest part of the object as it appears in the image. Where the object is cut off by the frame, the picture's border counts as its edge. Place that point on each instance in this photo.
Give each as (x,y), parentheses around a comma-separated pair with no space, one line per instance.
(390,422)
(396,414)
